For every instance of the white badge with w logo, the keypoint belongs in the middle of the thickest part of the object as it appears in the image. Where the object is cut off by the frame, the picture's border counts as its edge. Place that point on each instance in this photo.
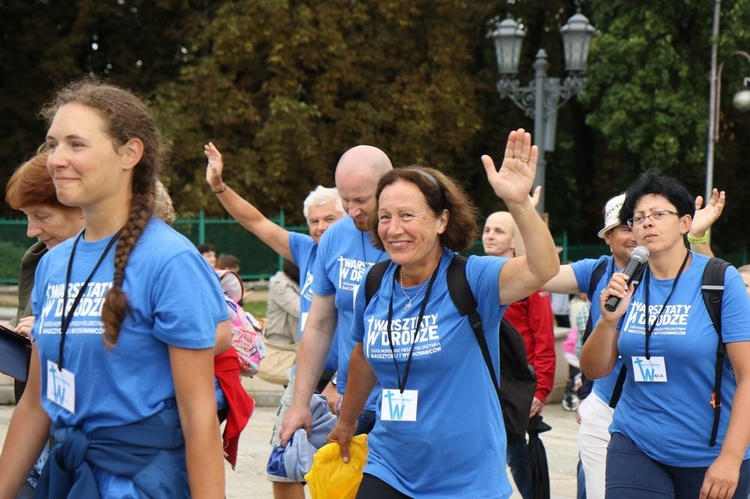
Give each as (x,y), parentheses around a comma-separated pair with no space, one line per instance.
(649,370)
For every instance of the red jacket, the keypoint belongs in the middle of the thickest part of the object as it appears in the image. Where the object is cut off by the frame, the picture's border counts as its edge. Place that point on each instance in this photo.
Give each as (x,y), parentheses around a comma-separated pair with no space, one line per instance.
(534,320)
(240,404)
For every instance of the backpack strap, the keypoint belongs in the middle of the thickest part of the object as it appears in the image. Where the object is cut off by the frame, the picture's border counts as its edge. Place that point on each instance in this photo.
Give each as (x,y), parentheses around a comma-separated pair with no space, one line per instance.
(461,294)
(374,278)
(596,276)
(466,304)
(617,391)
(712,288)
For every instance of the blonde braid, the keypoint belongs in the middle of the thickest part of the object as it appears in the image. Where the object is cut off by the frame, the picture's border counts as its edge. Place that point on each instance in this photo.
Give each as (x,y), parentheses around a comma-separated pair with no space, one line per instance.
(116,303)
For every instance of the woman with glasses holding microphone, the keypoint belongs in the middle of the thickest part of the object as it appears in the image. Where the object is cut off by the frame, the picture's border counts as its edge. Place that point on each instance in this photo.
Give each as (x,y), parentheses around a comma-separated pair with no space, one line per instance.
(661,443)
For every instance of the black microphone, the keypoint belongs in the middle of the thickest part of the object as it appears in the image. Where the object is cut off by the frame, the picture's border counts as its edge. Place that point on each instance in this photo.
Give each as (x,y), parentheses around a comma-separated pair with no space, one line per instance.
(638,258)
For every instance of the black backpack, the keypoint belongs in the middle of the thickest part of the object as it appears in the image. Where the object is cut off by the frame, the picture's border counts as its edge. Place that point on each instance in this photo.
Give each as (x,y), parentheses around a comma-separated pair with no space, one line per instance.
(517,379)
(712,287)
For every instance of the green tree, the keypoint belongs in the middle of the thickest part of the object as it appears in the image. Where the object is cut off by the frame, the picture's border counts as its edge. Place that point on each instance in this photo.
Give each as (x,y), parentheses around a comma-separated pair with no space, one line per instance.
(283,87)
(46,43)
(648,92)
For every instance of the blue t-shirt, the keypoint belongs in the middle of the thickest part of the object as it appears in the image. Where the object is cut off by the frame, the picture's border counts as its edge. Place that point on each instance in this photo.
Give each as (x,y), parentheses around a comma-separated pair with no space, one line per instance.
(304,253)
(457,444)
(583,269)
(344,254)
(671,421)
(174,298)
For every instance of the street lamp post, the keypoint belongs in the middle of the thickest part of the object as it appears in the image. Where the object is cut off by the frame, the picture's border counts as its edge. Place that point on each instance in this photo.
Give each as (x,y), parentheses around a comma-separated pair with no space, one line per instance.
(541,98)
(741,100)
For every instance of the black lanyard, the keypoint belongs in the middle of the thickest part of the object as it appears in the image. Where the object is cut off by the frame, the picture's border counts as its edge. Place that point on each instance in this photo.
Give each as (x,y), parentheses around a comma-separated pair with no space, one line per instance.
(646,280)
(66,319)
(402,385)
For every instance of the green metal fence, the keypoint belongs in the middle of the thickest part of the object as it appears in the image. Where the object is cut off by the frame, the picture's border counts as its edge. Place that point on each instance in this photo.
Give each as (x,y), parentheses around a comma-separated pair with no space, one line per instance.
(257,261)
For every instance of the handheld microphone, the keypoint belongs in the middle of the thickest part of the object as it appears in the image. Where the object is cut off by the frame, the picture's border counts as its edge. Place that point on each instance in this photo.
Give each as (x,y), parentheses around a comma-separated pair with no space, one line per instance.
(638,258)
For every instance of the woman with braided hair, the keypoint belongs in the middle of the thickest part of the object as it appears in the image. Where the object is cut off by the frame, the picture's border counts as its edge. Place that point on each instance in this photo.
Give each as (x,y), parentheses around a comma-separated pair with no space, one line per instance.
(122,363)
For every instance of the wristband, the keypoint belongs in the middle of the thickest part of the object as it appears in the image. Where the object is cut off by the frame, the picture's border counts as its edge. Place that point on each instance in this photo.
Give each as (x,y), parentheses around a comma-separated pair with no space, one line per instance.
(698,240)
(221,189)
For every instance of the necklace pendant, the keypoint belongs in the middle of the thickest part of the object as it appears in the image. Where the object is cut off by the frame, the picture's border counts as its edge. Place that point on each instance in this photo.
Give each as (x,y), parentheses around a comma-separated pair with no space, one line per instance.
(407,306)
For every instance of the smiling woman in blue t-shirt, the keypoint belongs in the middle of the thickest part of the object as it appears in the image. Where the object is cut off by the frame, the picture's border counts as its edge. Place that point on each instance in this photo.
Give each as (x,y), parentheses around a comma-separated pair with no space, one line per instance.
(663,421)
(439,430)
(125,320)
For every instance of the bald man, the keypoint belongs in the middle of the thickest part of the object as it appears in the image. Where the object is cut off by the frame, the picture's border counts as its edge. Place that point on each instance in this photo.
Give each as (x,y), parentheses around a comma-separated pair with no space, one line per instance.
(345,252)
(533,318)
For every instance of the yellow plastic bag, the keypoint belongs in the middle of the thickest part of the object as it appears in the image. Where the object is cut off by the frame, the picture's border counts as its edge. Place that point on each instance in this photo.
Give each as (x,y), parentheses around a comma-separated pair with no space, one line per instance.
(330,477)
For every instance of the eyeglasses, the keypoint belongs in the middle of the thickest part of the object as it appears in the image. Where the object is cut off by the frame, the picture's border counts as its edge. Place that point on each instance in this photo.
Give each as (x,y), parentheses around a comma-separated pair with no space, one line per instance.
(654,217)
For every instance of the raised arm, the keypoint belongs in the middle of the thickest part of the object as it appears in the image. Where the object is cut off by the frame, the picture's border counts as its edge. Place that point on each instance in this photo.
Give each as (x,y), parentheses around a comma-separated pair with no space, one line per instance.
(241,210)
(512,183)
(564,282)
(703,219)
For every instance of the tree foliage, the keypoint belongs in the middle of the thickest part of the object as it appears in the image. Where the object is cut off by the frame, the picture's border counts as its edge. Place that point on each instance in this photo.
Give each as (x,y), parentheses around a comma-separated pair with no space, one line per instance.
(44,44)
(648,88)
(283,87)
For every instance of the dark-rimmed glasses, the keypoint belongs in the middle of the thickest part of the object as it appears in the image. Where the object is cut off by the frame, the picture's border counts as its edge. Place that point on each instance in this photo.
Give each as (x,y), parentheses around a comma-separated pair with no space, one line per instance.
(654,217)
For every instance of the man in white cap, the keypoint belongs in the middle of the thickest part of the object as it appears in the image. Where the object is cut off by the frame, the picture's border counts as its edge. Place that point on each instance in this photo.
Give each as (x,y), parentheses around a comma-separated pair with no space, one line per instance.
(591,276)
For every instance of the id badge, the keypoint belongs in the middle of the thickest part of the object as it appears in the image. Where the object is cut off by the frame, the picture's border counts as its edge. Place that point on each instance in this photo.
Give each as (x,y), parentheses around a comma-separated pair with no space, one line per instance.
(397,406)
(61,387)
(653,370)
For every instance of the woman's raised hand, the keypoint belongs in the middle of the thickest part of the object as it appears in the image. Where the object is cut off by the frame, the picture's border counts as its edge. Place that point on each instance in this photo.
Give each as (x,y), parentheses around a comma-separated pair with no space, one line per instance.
(704,218)
(515,178)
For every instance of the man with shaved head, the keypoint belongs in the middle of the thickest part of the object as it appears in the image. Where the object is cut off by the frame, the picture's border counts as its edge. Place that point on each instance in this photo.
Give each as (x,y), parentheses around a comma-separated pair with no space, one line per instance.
(344,254)
(533,318)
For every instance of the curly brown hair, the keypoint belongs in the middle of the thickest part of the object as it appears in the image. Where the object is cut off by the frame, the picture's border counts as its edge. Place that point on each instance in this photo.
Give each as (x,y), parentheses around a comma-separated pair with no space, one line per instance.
(125,116)
(441,193)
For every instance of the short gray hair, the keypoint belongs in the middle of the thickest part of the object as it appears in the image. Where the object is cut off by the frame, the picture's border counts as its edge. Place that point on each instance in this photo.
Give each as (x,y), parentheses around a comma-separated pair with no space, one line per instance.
(320,196)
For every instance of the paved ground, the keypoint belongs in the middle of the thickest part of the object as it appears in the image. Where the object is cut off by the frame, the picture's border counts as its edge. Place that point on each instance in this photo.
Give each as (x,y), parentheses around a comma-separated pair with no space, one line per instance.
(248,479)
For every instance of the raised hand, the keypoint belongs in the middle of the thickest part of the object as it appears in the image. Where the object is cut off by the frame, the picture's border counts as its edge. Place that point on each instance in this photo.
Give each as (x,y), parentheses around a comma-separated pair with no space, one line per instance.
(214,168)
(513,181)
(536,196)
(704,218)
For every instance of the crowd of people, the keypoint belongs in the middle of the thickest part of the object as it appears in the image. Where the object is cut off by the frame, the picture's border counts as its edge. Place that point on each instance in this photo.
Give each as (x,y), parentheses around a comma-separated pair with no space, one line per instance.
(133,371)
